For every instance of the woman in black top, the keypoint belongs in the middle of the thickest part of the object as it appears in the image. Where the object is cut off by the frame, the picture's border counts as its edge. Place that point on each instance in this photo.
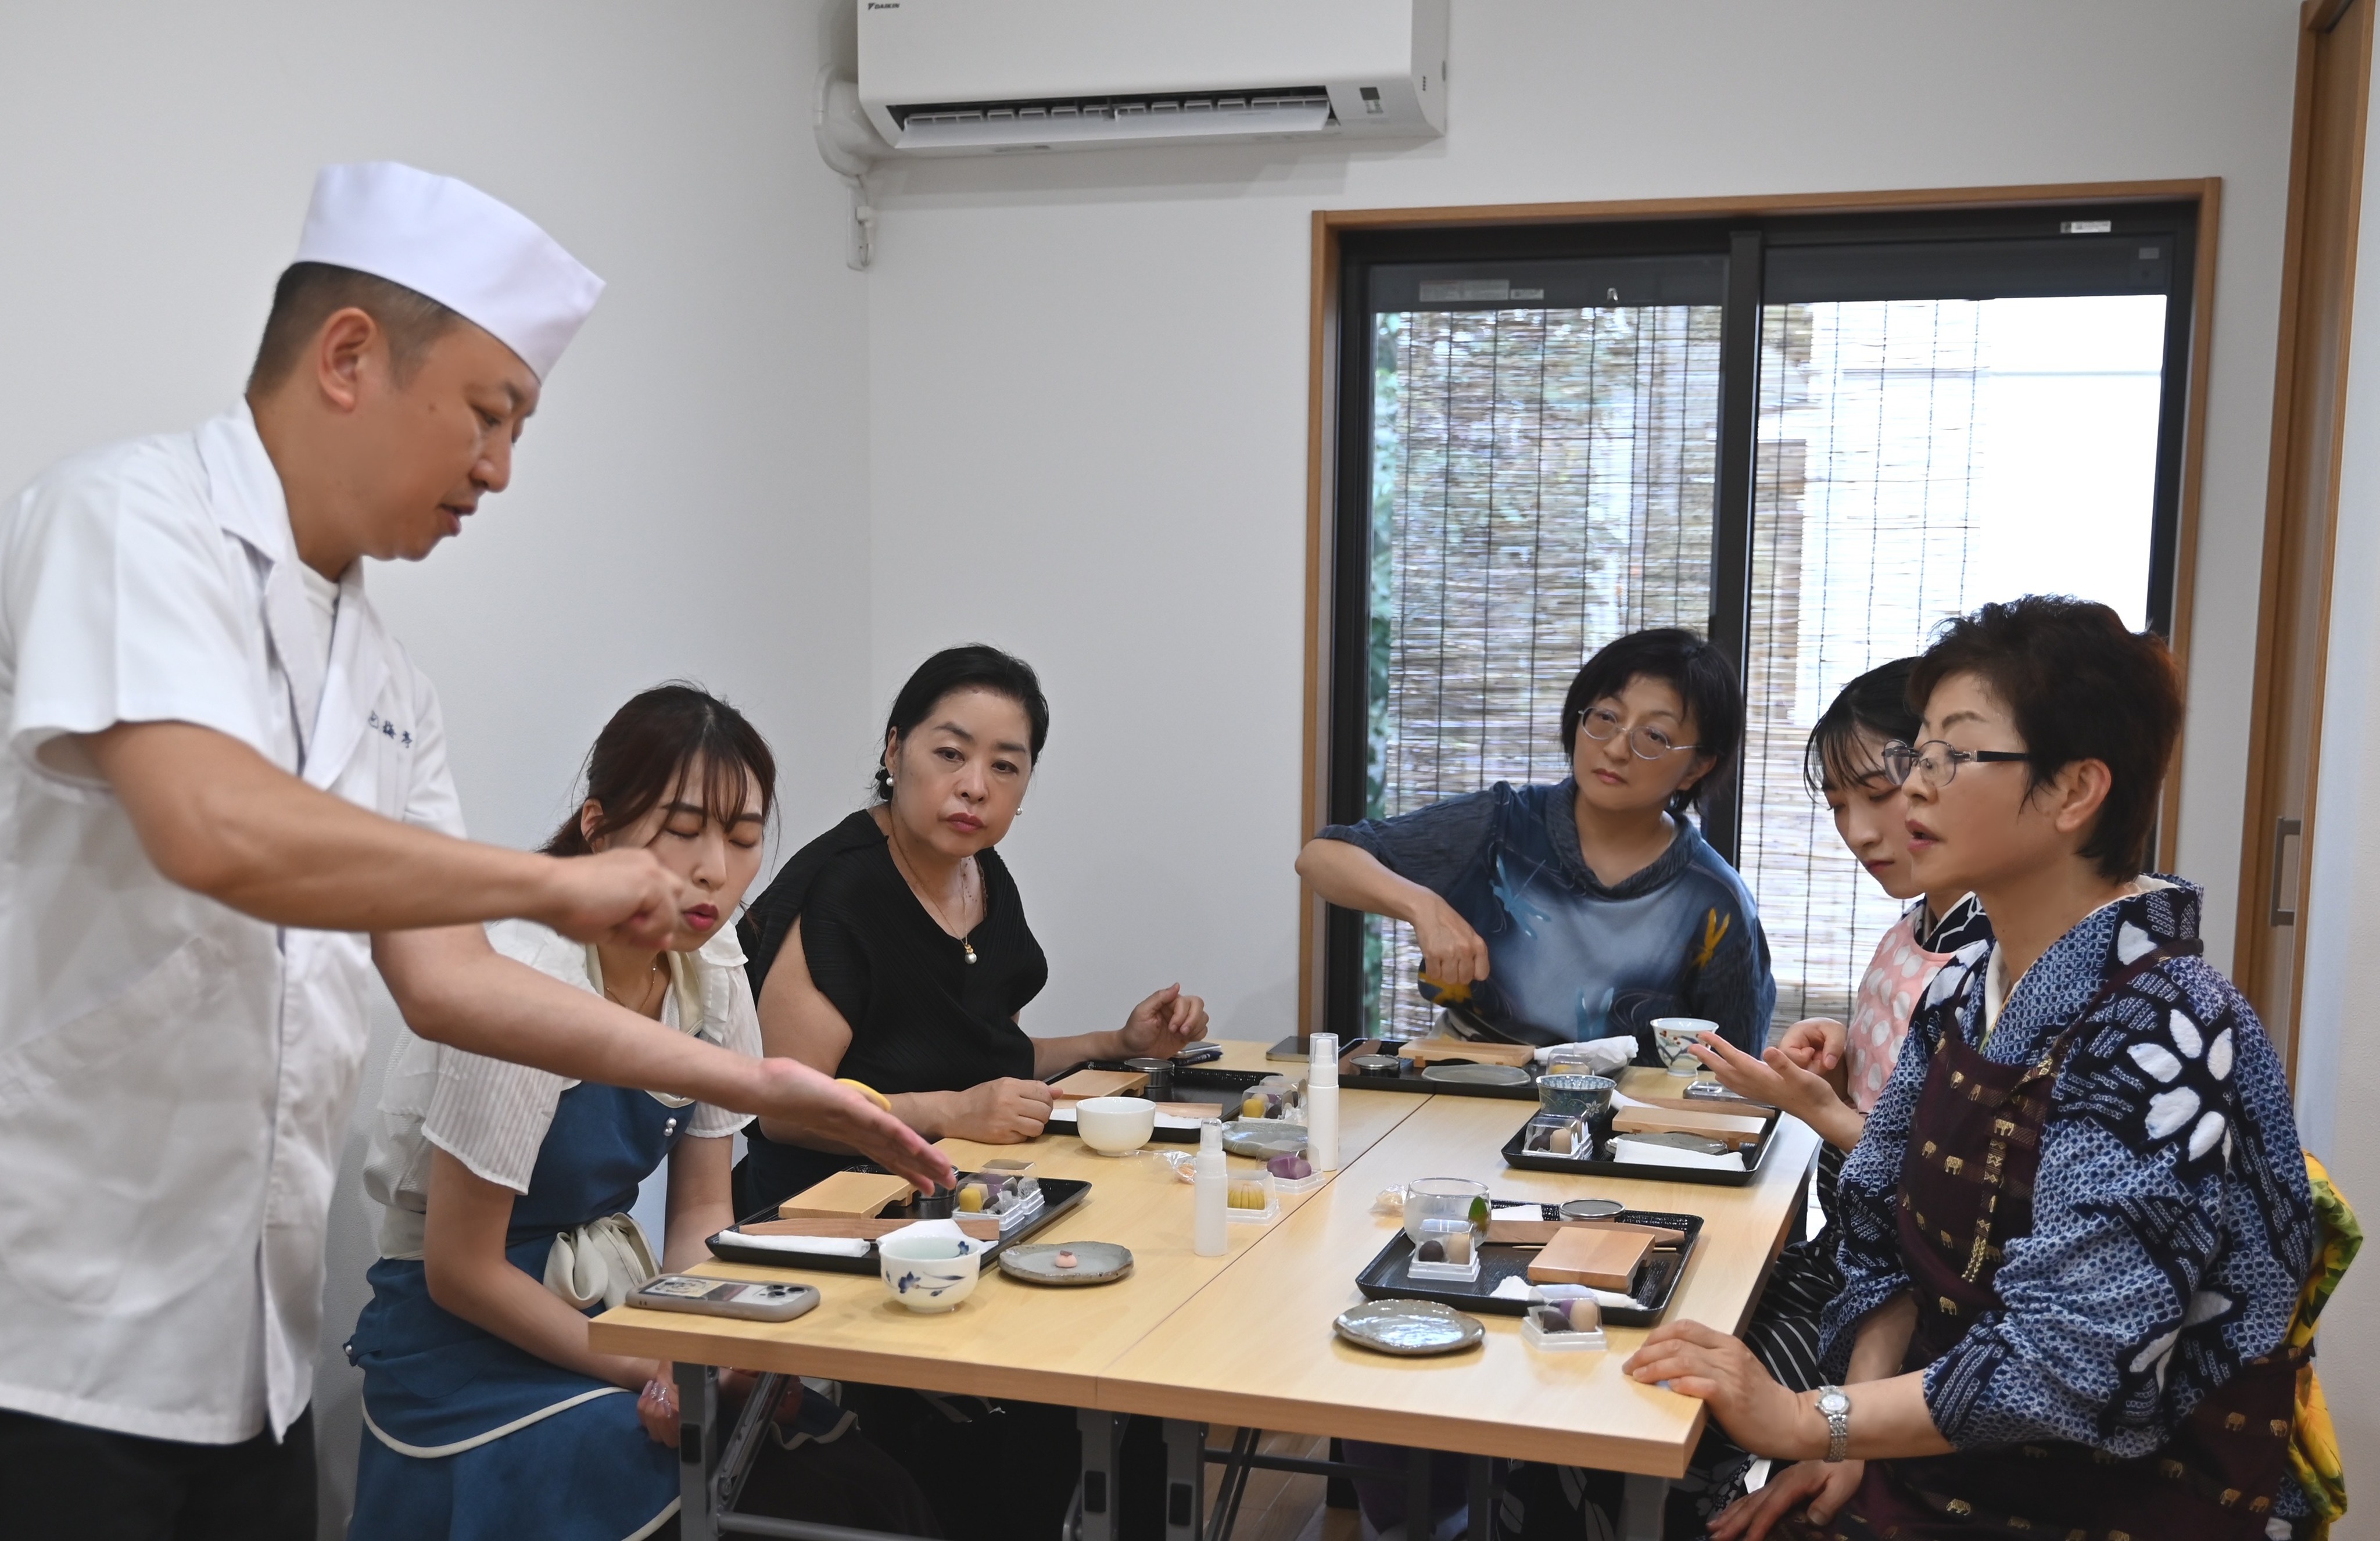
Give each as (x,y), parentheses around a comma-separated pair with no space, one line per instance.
(909,951)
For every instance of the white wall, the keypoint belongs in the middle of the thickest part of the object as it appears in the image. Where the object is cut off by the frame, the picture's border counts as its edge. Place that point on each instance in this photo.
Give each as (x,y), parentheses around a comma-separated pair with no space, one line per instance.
(1089,393)
(690,499)
(2338,1053)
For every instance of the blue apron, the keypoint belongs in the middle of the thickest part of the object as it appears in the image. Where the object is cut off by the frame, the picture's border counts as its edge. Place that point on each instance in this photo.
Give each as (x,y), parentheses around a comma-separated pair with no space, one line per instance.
(467,1436)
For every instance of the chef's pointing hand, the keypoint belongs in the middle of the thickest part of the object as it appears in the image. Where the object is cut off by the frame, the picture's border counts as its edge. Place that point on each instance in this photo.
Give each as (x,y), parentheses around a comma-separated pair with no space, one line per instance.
(796,1094)
(623,897)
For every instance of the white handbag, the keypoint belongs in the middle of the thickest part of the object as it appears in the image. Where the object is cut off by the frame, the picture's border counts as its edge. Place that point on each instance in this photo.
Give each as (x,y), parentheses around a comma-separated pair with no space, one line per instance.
(602,1261)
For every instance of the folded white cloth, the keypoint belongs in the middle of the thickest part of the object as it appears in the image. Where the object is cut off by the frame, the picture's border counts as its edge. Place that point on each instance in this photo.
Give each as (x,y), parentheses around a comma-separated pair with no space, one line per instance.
(1639,1153)
(817,1247)
(1514,1287)
(603,1260)
(1603,1055)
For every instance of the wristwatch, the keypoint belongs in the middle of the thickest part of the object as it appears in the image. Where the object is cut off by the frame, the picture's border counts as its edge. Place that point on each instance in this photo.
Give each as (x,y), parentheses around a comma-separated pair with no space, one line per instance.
(1835,1405)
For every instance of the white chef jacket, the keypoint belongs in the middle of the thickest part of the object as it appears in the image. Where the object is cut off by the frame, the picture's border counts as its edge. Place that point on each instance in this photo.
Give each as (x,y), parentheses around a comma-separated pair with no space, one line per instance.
(175,1076)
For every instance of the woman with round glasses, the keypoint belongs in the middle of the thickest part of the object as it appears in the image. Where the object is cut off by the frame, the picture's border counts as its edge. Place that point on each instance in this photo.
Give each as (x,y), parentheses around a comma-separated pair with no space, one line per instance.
(1582,909)
(2077,1225)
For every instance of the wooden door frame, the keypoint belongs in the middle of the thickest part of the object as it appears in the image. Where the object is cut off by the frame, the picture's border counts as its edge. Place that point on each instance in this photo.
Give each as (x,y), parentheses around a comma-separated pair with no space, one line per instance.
(2252,927)
(1330,225)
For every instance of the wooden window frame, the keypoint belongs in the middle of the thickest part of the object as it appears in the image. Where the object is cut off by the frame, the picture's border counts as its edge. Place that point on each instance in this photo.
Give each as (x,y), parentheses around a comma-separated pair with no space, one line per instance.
(1330,225)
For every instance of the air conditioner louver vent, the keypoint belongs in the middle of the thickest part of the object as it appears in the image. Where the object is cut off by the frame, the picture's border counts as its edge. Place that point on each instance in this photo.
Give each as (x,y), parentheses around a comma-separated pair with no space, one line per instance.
(1089,120)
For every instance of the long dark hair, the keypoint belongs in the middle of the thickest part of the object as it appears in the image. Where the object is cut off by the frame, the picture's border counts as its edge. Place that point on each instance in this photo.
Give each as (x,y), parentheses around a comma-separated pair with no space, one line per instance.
(1877,703)
(1699,672)
(977,666)
(644,751)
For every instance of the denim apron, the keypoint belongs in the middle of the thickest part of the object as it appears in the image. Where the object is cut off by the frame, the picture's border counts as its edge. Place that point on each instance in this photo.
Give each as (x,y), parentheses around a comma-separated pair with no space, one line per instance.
(467,1436)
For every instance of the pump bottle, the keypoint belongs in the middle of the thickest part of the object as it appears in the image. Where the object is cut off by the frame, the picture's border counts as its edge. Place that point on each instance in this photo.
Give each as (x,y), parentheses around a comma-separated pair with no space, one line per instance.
(1322,1102)
(1210,1194)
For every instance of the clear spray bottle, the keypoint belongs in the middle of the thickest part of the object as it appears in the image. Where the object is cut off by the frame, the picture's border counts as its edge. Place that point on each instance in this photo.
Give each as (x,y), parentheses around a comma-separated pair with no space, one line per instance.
(1210,1194)
(1322,1102)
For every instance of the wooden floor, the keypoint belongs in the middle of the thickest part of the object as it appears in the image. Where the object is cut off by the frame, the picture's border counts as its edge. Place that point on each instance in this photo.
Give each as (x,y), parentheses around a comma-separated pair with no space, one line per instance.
(1283,1506)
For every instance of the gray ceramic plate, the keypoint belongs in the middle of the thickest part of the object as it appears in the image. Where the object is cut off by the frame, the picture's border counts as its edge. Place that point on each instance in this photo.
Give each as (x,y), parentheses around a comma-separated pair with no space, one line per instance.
(1591,1208)
(1479,1076)
(1263,1137)
(1095,1263)
(1408,1327)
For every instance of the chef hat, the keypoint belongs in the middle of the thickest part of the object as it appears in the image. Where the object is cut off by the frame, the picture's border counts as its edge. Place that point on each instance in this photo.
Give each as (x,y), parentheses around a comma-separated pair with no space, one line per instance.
(450,241)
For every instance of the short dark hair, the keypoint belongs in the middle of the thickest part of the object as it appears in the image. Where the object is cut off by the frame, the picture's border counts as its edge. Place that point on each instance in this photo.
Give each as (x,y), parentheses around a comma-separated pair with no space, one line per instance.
(1877,704)
(2080,687)
(311,292)
(644,750)
(1699,672)
(975,666)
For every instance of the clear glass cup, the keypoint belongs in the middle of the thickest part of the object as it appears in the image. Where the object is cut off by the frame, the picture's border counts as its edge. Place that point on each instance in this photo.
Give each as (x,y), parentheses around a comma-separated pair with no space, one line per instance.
(1445,1198)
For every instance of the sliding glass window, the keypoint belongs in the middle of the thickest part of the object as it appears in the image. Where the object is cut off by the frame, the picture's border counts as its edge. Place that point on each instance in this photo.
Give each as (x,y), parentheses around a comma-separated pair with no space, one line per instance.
(1811,440)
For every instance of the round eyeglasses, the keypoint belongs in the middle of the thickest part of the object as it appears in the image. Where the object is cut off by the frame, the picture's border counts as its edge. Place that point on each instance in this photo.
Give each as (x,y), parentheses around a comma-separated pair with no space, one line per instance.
(1939,762)
(1602,724)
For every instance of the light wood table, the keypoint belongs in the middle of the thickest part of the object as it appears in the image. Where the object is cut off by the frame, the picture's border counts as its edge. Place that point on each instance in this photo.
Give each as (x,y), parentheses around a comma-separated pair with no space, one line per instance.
(1028,1341)
(1246,1339)
(1007,1339)
(1256,1349)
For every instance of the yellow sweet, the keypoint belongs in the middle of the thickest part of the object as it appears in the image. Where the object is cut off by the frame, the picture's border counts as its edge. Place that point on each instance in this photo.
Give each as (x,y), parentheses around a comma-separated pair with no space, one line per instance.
(971,1199)
(1253,1107)
(1247,1195)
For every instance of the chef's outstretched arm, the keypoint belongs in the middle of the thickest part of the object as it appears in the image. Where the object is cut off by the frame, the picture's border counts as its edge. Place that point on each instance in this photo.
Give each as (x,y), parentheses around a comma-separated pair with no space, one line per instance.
(218,818)
(455,989)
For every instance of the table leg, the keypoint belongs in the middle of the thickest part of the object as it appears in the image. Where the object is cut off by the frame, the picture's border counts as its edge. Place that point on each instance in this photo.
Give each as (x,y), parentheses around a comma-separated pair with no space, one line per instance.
(1103,1439)
(697,1452)
(1185,1479)
(1643,1499)
(1418,1520)
(1483,1497)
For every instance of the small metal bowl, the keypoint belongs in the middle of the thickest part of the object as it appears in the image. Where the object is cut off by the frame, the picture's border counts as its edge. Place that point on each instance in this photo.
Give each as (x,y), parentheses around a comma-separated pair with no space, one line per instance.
(1377,1064)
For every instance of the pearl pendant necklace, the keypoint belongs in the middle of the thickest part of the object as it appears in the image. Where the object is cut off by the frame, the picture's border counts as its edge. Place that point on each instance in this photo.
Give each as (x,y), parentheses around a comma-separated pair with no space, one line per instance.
(970,947)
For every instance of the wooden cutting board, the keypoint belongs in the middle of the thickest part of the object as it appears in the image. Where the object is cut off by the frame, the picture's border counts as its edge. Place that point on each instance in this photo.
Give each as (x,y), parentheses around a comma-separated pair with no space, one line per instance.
(1598,1259)
(1429,1051)
(1730,1129)
(1537,1232)
(850,1194)
(1099,1083)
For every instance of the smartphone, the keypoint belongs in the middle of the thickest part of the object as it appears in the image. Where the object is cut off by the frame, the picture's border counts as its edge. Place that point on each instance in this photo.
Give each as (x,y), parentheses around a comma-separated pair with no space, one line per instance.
(726,1297)
(1198,1054)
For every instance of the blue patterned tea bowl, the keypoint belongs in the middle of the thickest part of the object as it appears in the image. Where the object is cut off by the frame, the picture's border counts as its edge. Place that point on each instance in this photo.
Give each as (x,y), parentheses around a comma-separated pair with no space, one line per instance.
(930,1273)
(1575,1096)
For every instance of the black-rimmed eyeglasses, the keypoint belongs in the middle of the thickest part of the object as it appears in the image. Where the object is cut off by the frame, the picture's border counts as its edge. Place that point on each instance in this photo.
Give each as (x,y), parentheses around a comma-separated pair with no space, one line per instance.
(1602,724)
(1939,762)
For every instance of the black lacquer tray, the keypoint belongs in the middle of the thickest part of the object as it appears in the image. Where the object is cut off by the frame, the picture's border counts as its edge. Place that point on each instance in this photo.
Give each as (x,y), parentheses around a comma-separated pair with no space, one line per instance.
(1386,1276)
(1756,1153)
(1057,1196)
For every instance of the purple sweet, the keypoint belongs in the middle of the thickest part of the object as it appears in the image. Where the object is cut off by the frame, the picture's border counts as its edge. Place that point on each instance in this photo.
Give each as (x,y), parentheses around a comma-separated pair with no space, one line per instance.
(1291,1167)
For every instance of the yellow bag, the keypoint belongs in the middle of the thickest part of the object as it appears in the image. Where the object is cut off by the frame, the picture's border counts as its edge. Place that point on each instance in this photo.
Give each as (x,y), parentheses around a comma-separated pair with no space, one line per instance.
(2313,1444)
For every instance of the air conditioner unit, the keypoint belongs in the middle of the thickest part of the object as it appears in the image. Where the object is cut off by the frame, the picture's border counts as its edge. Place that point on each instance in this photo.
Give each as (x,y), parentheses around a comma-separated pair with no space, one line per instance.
(1006,77)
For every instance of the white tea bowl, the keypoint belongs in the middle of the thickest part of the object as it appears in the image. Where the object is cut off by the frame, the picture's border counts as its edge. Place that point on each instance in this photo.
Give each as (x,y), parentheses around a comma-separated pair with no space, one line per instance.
(930,1273)
(1115,1125)
(1671,1037)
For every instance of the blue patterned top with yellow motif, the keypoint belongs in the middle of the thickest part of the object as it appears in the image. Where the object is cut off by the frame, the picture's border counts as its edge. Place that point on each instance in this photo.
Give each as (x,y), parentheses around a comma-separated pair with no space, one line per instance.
(1569,958)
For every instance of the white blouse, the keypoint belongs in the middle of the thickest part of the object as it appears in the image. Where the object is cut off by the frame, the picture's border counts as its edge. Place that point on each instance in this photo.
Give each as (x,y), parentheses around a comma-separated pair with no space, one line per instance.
(492,1115)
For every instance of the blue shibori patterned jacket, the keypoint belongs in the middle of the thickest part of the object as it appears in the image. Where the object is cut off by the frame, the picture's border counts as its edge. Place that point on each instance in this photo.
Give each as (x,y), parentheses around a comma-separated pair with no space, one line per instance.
(2173,1221)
